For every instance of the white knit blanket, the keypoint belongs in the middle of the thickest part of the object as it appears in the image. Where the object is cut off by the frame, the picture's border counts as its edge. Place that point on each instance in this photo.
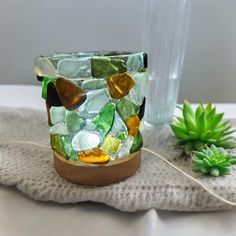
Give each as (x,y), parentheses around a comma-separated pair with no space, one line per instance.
(155,185)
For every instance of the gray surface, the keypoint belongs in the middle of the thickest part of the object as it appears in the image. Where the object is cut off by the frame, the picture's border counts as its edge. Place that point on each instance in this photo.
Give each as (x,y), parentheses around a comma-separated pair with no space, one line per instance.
(21,216)
(29,28)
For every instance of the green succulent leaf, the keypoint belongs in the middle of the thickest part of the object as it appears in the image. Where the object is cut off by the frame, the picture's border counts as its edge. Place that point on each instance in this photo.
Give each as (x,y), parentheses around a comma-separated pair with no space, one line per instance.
(199,111)
(208,108)
(187,110)
(202,123)
(216,120)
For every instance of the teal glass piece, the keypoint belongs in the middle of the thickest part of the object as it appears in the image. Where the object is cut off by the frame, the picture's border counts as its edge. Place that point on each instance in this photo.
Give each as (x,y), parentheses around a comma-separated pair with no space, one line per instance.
(93,84)
(44,67)
(59,128)
(57,114)
(45,82)
(85,139)
(138,142)
(135,62)
(72,68)
(137,93)
(126,109)
(74,122)
(95,101)
(104,120)
(103,66)
(126,145)
(74,155)
(118,124)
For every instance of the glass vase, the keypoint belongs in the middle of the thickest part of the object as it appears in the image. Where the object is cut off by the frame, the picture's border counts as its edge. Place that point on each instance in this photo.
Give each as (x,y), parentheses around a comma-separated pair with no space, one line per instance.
(165,33)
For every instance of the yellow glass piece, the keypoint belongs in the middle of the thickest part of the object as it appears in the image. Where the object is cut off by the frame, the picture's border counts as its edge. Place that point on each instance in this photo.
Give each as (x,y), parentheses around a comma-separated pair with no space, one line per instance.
(120,85)
(111,144)
(133,124)
(94,156)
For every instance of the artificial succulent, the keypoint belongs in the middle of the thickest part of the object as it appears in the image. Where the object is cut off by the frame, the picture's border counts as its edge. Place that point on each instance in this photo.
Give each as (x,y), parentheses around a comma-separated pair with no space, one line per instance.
(213,161)
(203,127)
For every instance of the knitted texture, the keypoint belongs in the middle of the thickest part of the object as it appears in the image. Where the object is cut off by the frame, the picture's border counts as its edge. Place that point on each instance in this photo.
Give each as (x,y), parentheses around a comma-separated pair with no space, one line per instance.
(155,185)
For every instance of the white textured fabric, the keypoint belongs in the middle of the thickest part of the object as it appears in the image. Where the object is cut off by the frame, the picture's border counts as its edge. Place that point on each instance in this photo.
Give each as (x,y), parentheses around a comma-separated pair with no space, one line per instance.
(155,185)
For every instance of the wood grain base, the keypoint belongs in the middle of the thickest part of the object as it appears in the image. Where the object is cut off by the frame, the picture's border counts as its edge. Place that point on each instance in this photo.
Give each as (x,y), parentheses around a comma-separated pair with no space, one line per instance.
(97,175)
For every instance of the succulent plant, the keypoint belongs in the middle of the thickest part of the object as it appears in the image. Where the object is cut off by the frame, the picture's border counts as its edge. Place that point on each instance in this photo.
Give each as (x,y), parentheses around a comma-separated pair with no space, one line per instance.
(213,161)
(203,127)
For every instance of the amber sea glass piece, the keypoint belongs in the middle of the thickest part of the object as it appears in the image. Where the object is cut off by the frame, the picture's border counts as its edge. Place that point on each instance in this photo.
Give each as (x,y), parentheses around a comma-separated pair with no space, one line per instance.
(94,156)
(133,124)
(70,95)
(120,85)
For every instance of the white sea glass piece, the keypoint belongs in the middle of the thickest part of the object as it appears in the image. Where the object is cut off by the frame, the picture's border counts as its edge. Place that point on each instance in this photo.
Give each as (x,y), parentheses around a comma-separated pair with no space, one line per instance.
(85,140)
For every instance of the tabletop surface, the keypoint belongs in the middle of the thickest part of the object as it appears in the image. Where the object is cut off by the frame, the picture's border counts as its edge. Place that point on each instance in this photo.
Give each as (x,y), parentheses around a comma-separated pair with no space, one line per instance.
(22,216)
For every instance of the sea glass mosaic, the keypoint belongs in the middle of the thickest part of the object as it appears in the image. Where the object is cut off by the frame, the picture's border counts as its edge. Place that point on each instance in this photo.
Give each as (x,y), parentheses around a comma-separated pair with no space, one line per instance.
(95,103)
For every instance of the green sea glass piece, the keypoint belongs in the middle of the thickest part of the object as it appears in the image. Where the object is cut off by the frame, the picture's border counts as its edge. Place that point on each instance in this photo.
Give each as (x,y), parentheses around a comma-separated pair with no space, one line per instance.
(118,124)
(57,114)
(103,67)
(111,144)
(66,144)
(95,101)
(57,145)
(74,122)
(74,155)
(104,120)
(137,93)
(45,82)
(126,145)
(62,145)
(119,64)
(59,128)
(93,84)
(122,135)
(74,68)
(135,62)
(138,142)
(44,67)
(126,109)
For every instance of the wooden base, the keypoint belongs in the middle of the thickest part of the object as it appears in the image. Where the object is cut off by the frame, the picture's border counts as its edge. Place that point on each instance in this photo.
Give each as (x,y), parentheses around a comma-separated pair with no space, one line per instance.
(97,175)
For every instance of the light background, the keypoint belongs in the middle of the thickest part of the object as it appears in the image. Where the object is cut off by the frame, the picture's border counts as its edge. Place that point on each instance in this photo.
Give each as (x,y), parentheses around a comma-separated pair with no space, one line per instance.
(30,28)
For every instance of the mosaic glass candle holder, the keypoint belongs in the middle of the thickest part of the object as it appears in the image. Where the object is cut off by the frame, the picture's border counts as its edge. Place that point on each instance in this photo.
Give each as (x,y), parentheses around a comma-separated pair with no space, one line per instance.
(95,103)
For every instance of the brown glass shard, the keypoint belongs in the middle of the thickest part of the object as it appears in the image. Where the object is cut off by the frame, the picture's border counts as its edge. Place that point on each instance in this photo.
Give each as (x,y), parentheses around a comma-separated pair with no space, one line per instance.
(71,96)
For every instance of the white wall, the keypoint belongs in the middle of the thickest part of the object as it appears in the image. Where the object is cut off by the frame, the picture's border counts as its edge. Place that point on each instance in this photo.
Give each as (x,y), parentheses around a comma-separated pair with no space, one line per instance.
(209,72)
(29,28)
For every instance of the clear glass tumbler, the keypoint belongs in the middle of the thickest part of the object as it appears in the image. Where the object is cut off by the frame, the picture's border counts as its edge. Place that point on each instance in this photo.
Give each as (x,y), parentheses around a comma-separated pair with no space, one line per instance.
(165,33)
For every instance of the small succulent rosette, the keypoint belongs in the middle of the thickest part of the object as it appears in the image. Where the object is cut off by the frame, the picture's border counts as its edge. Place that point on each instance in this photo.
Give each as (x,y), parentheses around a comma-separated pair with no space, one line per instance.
(95,102)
